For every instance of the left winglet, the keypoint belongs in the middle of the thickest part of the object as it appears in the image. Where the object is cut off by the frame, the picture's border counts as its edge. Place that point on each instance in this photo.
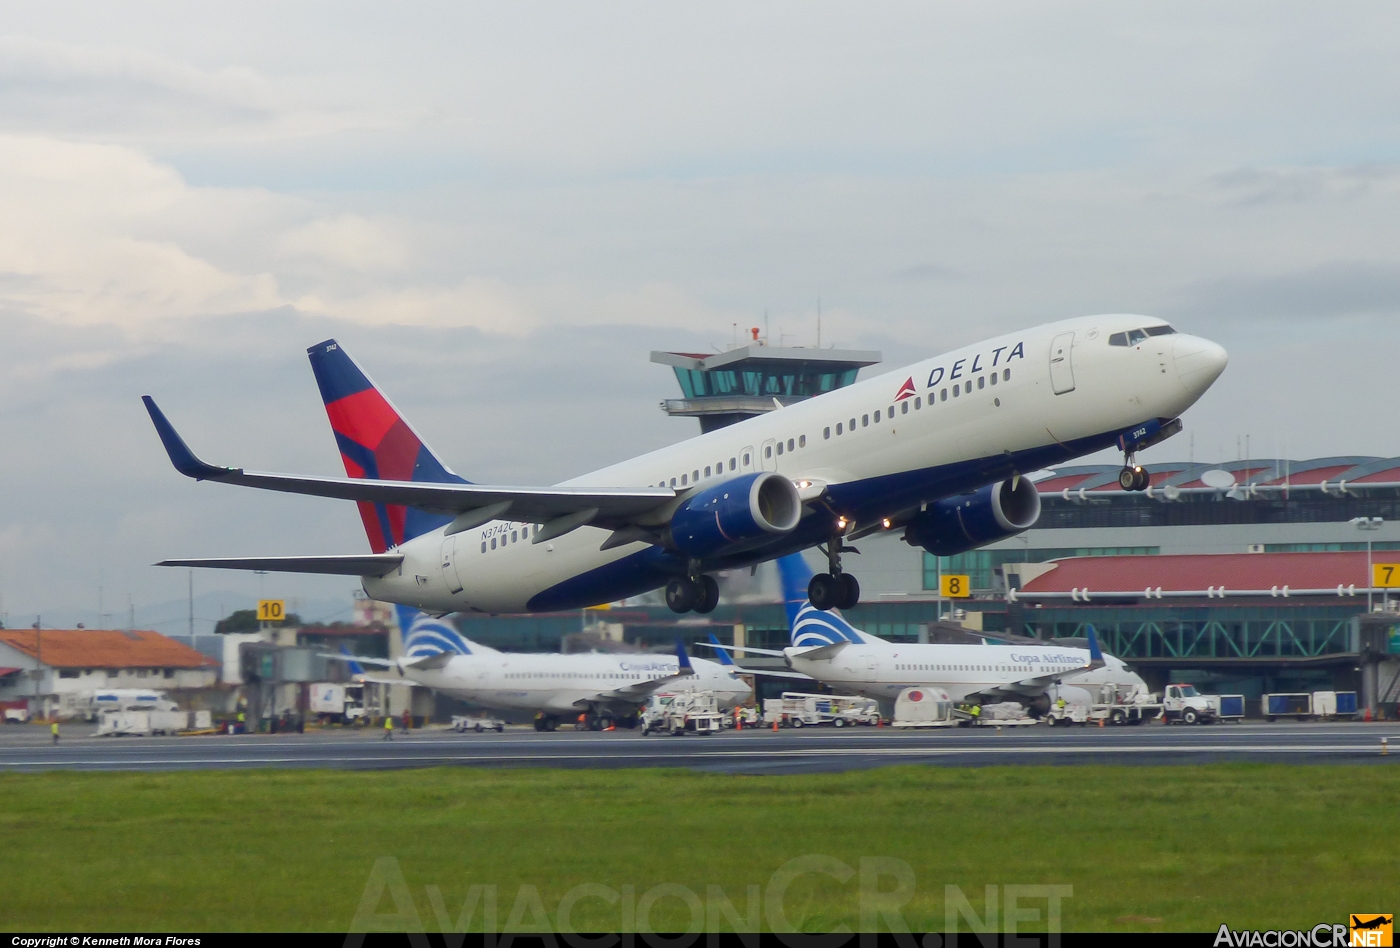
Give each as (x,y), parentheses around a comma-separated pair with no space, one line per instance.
(181,456)
(684,667)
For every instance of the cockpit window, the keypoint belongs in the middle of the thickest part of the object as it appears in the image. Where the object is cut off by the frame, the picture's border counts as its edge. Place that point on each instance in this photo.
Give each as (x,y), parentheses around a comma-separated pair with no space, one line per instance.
(1135,336)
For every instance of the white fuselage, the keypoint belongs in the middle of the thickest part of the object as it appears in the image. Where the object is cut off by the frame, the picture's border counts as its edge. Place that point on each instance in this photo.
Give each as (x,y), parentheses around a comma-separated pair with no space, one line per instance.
(1013,407)
(881,669)
(562,684)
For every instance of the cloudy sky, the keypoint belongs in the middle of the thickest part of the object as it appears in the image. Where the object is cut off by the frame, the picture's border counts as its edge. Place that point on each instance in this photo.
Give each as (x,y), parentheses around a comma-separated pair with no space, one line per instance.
(501,209)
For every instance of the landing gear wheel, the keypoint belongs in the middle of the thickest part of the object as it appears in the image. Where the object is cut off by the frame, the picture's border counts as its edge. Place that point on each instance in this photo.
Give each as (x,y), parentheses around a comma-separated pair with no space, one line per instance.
(550,722)
(681,595)
(826,591)
(709,595)
(850,591)
(1134,477)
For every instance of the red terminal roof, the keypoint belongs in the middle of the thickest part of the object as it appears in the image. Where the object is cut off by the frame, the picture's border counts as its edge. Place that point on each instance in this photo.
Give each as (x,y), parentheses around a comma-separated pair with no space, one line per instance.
(100,648)
(1199,571)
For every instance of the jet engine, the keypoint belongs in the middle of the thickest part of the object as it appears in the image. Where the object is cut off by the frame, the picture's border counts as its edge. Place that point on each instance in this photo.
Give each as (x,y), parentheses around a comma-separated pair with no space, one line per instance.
(958,524)
(735,511)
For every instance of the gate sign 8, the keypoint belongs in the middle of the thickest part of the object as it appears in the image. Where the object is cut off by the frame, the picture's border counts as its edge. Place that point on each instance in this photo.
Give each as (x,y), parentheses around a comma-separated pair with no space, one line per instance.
(272,610)
(958,587)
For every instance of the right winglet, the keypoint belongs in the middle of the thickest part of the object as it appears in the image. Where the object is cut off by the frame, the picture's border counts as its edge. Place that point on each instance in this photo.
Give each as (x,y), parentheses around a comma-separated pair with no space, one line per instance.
(181,456)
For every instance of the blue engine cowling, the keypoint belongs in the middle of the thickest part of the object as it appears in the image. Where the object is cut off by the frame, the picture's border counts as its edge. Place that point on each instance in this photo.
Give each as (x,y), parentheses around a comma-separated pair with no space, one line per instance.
(958,524)
(735,511)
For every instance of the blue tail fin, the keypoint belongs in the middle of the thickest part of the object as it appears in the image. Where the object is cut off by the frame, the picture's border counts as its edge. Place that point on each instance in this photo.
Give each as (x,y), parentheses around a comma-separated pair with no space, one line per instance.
(724,658)
(377,443)
(423,635)
(808,625)
(355,667)
(683,667)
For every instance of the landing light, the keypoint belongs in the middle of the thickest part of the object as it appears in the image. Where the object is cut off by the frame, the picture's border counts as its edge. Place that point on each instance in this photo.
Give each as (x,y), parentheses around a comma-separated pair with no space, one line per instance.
(841,523)
(886,523)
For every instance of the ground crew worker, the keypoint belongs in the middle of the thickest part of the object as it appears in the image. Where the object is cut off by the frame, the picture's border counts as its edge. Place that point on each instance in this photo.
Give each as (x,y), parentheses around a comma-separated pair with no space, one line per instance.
(53,729)
(242,723)
(976,711)
(407,720)
(1060,703)
(388,727)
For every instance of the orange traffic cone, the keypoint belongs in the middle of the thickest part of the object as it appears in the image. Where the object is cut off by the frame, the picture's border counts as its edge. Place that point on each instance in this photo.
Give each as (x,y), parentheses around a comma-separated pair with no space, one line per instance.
(1100,722)
(775,727)
(879,722)
(1367,715)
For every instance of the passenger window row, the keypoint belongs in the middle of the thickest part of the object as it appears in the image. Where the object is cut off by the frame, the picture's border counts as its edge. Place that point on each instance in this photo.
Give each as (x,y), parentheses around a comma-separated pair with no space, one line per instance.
(958,389)
(515,536)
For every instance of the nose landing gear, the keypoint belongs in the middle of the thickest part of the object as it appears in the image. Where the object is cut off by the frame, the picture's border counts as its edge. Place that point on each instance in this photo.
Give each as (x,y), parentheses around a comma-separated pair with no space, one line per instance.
(835,589)
(1134,476)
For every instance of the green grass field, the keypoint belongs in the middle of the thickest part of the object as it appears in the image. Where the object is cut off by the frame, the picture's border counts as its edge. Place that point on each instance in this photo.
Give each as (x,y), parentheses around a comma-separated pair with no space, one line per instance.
(1144,848)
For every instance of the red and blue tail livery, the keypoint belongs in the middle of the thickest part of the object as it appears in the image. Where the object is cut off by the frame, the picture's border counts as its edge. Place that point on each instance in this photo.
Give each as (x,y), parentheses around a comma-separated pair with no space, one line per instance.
(376,444)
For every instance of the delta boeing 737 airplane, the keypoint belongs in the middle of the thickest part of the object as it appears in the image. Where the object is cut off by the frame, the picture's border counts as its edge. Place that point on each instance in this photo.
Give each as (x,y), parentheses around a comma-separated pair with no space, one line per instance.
(936,449)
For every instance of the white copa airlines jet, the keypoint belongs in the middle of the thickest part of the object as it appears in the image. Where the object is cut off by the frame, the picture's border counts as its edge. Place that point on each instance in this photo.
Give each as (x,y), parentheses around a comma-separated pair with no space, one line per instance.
(603,687)
(826,647)
(936,449)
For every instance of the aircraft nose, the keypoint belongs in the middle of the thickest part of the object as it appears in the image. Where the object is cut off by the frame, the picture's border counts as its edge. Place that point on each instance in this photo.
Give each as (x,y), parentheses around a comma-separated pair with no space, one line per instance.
(1199,362)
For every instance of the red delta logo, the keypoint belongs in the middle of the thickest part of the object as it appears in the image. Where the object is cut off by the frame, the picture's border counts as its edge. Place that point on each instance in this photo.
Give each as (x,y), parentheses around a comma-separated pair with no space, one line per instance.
(906,390)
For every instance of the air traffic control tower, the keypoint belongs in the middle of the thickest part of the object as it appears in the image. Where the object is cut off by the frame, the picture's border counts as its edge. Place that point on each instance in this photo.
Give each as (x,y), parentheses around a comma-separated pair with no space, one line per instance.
(725,387)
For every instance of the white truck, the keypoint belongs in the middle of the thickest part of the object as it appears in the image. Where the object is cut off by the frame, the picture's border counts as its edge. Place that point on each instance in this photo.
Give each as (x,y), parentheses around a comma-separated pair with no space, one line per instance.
(125,699)
(1182,702)
(693,713)
(799,709)
(334,703)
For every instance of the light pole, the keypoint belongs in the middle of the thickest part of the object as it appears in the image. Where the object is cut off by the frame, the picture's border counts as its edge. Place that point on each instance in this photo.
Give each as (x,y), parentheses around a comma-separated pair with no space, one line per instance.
(1369,524)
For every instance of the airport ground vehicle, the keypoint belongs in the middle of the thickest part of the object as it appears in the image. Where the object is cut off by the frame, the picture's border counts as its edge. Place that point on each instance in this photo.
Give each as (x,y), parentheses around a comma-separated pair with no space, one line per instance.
(462,723)
(1229,707)
(115,723)
(691,713)
(1182,702)
(798,709)
(16,715)
(923,707)
(338,703)
(123,699)
(1304,705)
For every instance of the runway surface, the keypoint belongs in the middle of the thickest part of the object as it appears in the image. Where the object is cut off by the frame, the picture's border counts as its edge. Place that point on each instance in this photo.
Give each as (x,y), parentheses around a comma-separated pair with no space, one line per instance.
(28,748)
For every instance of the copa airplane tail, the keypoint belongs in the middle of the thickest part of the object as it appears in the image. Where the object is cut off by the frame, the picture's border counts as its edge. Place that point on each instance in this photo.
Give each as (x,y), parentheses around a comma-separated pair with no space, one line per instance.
(376,443)
(425,636)
(810,626)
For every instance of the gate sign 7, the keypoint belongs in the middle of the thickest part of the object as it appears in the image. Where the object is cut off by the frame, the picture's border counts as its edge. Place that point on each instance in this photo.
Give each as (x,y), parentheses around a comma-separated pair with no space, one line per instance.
(272,610)
(1385,575)
(958,587)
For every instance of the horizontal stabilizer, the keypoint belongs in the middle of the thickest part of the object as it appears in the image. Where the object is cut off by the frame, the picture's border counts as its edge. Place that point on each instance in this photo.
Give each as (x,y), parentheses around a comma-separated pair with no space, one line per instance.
(359,564)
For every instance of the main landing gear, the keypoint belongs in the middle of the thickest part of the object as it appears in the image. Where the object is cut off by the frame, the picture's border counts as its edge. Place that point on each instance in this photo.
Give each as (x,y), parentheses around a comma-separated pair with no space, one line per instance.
(695,592)
(1133,476)
(834,590)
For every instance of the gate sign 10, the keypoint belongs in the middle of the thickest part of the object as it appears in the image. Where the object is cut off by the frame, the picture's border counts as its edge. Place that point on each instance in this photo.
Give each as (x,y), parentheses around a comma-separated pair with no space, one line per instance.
(956,587)
(272,610)
(1385,575)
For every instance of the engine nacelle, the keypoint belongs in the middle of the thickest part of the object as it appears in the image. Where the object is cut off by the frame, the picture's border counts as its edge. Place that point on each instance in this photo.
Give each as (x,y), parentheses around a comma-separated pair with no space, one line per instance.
(737,510)
(958,524)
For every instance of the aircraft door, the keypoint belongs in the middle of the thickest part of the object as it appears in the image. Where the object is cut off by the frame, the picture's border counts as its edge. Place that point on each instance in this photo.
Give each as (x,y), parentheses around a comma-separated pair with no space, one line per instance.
(1061,363)
(449,564)
(767,456)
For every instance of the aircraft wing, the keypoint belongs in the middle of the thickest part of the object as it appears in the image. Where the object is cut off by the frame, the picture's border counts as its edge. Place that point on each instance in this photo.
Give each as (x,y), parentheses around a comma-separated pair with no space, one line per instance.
(360,659)
(639,691)
(1038,683)
(601,506)
(365,564)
